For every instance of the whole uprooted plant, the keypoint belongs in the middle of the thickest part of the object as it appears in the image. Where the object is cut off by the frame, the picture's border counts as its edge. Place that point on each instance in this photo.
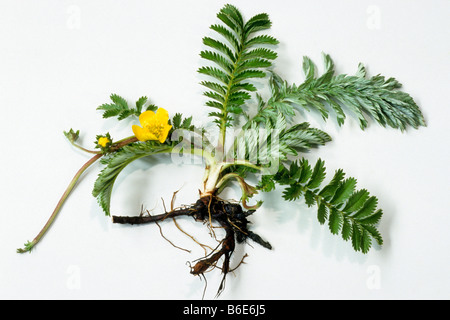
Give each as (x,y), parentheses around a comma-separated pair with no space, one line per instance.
(267,143)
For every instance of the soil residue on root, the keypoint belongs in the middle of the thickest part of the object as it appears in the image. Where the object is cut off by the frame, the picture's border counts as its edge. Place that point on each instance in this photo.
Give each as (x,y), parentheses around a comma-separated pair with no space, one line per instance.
(210,209)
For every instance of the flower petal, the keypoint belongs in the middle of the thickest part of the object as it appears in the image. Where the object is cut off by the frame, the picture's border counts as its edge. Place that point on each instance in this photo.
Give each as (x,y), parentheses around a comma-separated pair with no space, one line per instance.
(103,141)
(142,134)
(164,133)
(145,117)
(162,115)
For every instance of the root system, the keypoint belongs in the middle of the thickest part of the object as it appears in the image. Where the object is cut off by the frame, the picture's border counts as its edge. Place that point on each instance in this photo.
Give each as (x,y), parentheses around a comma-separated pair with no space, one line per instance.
(213,212)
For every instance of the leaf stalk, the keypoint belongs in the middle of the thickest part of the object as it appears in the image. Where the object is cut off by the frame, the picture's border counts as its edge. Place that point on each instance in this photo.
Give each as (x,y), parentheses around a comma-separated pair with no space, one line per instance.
(30,245)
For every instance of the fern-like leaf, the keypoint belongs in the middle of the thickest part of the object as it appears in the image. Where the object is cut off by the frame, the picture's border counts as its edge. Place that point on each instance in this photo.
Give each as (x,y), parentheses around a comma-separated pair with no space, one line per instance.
(236,61)
(349,212)
(115,164)
(377,96)
(119,107)
(359,95)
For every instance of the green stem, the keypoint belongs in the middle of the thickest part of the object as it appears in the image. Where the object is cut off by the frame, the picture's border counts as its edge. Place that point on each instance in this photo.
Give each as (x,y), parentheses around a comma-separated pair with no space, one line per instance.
(247,190)
(240,163)
(30,245)
(84,149)
(116,146)
(125,140)
(210,183)
(225,178)
(209,158)
(223,123)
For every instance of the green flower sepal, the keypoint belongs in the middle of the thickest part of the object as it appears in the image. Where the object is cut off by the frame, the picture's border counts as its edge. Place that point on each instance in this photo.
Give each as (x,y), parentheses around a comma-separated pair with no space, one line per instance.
(72,135)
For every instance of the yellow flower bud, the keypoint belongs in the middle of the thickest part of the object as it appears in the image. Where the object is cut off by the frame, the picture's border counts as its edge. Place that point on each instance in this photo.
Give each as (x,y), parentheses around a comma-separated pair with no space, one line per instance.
(103,141)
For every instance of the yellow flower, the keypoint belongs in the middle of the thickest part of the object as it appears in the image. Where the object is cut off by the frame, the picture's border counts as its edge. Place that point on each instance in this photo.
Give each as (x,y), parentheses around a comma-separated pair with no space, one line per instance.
(154,126)
(103,141)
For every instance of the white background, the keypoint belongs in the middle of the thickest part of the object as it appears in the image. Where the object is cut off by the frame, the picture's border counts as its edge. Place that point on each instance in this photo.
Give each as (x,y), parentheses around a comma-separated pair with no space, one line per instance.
(59,60)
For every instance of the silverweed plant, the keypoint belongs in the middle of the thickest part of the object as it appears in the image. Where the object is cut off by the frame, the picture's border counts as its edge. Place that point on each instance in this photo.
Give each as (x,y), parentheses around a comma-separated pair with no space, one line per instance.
(268,145)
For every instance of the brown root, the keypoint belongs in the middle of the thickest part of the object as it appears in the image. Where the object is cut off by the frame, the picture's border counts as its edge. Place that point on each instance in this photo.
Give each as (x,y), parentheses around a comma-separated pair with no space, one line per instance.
(229,216)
